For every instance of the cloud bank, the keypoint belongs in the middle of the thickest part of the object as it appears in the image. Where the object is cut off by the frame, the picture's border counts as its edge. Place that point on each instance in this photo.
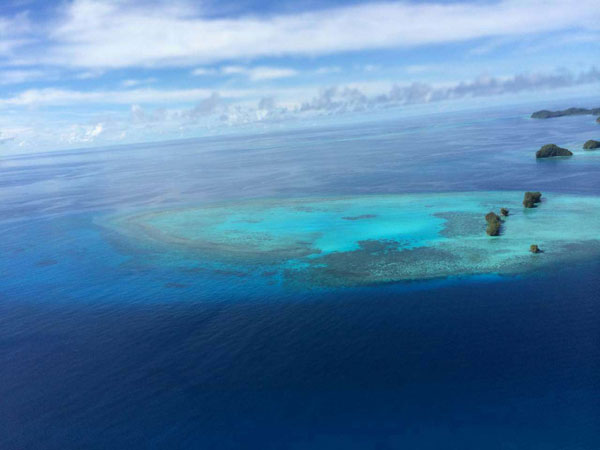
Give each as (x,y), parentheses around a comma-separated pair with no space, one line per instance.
(97,34)
(212,110)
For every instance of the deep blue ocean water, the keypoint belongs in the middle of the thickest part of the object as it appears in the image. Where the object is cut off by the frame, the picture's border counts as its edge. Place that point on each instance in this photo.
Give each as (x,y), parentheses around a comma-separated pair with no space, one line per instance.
(103,347)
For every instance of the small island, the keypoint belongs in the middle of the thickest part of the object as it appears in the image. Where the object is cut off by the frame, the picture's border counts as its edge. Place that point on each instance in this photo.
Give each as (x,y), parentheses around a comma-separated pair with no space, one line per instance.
(551,151)
(591,145)
(504,212)
(531,198)
(533,248)
(546,114)
(493,224)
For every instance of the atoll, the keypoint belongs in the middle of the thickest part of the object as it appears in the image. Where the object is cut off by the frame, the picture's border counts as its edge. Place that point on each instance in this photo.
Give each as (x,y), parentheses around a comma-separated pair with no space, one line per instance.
(411,237)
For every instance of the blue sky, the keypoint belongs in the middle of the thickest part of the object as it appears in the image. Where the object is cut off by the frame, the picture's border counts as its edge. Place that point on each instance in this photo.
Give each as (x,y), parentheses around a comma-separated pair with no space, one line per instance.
(80,73)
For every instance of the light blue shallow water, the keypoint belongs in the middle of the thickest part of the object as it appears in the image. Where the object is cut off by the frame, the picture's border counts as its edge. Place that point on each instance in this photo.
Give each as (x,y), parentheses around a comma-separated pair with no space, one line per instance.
(348,241)
(110,342)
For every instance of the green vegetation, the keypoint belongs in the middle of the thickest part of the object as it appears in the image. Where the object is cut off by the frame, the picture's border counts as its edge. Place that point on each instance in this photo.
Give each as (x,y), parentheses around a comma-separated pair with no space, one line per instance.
(591,145)
(533,248)
(551,150)
(493,224)
(531,198)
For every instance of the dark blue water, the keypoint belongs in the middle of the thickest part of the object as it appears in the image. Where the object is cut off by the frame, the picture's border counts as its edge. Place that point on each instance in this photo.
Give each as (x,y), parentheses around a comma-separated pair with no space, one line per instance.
(104,346)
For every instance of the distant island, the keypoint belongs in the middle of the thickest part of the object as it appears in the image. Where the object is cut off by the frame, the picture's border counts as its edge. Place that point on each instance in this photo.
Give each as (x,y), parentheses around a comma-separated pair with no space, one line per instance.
(591,145)
(552,150)
(546,114)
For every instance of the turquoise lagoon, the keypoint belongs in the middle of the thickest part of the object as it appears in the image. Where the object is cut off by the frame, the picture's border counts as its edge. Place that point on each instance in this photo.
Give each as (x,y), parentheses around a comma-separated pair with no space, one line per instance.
(372,238)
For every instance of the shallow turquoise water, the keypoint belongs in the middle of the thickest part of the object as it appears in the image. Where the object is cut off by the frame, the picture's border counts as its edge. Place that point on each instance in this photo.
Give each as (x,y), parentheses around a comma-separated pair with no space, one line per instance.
(382,238)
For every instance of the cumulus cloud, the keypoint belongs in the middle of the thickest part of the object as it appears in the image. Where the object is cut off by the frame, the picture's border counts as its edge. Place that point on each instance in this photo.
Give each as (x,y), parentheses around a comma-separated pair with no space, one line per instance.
(210,105)
(336,100)
(348,99)
(77,134)
(98,34)
(213,104)
(139,115)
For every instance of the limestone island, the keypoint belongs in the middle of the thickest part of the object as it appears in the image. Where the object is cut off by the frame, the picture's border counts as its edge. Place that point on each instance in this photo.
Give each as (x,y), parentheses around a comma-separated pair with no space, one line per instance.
(551,151)
(531,199)
(546,114)
(591,145)
(309,242)
(493,224)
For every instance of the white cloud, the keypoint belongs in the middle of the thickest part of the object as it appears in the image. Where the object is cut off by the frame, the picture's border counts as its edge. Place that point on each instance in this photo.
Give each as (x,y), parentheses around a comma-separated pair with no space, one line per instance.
(15,32)
(94,132)
(415,92)
(135,82)
(270,73)
(77,134)
(259,73)
(200,71)
(24,76)
(57,97)
(233,70)
(97,34)
(89,74)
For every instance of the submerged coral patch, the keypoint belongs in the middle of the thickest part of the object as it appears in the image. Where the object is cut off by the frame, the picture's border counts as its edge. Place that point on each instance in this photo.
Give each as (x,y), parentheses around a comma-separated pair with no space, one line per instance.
(361,217)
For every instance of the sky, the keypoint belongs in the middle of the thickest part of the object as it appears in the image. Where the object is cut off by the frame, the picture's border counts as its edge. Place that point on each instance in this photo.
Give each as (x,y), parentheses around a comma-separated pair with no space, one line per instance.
(87,73)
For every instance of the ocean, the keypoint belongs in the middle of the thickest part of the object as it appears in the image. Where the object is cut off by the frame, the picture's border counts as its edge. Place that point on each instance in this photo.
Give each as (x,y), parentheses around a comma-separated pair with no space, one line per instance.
(108,342)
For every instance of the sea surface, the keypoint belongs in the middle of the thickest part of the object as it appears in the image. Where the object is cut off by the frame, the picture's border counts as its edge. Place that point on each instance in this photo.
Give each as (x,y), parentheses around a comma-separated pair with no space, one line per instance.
(106,343)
